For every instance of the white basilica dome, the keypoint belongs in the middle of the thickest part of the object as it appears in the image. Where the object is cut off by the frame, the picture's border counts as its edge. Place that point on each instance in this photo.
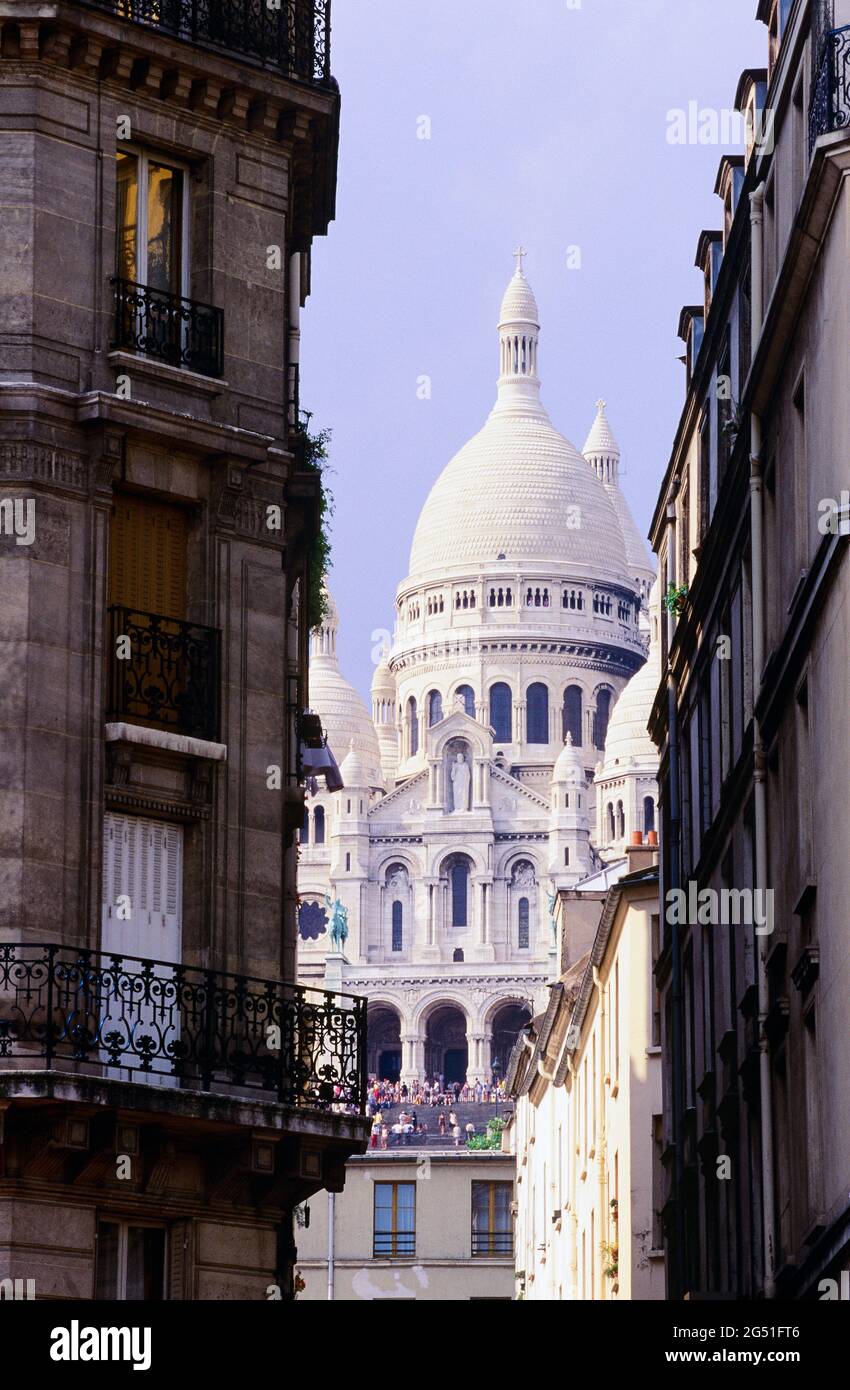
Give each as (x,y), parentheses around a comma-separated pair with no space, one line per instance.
(518,492)
(346,720)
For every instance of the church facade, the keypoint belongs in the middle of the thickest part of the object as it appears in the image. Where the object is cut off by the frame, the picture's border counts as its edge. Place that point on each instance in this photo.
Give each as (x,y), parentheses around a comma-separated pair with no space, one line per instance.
(500,760)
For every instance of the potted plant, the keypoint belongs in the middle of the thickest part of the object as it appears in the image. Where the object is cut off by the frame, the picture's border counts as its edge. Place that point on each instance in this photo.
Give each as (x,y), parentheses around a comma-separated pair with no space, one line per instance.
(610,1259)
(675,598)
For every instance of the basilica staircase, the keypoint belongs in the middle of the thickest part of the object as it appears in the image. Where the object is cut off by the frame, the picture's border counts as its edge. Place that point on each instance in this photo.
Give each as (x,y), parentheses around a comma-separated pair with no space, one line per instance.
(478,1114)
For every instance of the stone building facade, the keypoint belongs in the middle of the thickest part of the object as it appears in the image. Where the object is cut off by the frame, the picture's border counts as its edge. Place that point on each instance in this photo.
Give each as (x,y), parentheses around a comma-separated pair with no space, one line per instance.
(469,794)
(755,764)
(586,1077)
(428,1224)
(161,190)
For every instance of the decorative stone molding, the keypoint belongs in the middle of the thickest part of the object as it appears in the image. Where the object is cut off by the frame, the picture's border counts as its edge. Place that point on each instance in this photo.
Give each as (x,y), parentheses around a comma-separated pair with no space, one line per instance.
(28,462)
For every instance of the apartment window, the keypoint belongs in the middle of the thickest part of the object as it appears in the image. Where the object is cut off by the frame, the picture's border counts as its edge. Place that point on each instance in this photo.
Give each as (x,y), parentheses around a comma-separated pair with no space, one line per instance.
(705,480)
(724,410)
(653,983)
(395,1220)
(130,1262)
(657,1182)
(150,222)
(798,503)
(812,1103)
(745,312)
(616,1020)
(684,535)
(492,1230)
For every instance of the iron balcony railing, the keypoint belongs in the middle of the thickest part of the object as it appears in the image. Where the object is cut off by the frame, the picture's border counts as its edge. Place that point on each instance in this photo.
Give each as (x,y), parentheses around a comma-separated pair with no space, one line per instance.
(393,1244)
(180,332)
(165,1024)
(492,1242)
(290,35)
(164,672)
(830,109)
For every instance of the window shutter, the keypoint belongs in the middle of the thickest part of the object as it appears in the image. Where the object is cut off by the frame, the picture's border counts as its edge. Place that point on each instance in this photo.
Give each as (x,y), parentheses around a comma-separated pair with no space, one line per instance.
(180,1261)
(143,860)
(147,556)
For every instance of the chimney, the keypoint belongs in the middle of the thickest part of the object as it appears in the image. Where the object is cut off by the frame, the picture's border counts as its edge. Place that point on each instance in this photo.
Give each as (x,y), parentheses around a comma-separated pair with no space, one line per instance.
(642,854)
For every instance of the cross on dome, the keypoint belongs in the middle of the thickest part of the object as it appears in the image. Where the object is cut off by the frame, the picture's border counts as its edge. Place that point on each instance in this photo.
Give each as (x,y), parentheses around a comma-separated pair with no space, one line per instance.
(520,253)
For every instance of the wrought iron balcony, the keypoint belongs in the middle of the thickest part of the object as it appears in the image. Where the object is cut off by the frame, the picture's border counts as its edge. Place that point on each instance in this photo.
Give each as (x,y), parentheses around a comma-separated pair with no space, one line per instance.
(170,676)
(292,36)
(492,1242)
(181,332)
(830,109)
(165,1024)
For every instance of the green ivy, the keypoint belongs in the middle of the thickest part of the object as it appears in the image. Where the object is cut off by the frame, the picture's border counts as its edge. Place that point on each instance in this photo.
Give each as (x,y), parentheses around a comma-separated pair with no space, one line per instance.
(315,458)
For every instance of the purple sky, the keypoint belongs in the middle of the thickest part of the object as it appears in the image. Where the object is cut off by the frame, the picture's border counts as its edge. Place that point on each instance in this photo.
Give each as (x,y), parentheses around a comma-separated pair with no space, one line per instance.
(548,127)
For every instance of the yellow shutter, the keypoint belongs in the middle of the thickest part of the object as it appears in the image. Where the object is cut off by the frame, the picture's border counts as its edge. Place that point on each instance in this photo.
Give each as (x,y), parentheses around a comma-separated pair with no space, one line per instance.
(147,556)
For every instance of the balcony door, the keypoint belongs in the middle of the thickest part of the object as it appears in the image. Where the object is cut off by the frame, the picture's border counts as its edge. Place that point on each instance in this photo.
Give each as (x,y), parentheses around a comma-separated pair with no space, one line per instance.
(142,910)
(152,683)
(150,222)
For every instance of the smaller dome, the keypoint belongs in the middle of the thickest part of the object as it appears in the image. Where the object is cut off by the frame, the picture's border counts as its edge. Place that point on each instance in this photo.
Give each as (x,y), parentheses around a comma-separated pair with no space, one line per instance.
(334,699)
(519,304)
(352,770)
(601,439)
(569,766)
(383,681)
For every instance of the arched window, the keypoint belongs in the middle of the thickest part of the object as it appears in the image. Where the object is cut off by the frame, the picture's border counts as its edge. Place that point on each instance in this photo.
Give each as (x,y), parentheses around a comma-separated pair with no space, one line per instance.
(413,722)
(522,939)
(319,825)
(398,919)
(537,713)
(621,821)
(648,814)
(611,830)
(500,712)
(460,893)
(509,598)
(305,828)
(573,714)
(600,719)
(435,708)
(467,694)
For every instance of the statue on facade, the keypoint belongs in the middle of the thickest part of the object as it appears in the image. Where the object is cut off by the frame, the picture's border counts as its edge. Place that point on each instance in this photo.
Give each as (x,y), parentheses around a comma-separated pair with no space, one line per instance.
(460,783)
(339,922)
(551,899)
